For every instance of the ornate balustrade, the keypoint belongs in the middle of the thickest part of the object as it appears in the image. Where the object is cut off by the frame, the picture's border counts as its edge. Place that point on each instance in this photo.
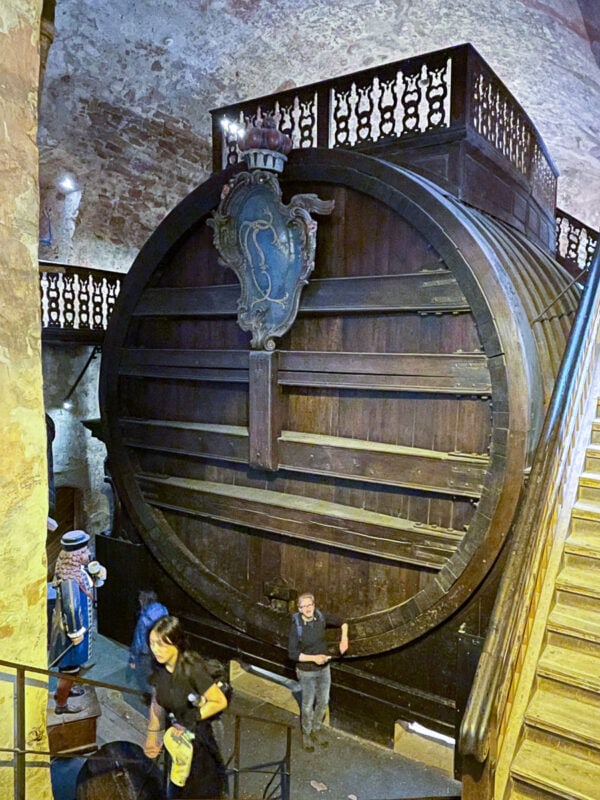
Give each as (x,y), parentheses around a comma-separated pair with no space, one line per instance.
(76,302)
(449,92)
(434,99)
(575,243)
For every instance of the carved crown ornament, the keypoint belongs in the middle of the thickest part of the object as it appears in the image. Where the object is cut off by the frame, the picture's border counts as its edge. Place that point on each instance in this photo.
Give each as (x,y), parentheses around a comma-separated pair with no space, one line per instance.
(269,245)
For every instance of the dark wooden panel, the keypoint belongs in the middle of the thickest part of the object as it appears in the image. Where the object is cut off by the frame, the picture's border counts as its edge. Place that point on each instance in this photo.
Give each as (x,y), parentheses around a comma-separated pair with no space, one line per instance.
(327,524)
(391,465)
(182,357)
(425,372)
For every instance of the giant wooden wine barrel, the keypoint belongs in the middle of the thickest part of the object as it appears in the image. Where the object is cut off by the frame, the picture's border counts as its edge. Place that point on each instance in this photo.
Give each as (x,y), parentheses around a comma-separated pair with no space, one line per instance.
(402,406)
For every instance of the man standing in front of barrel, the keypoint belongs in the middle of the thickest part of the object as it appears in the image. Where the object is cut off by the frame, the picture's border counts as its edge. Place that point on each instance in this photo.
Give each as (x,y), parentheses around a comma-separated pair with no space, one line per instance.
(308,647)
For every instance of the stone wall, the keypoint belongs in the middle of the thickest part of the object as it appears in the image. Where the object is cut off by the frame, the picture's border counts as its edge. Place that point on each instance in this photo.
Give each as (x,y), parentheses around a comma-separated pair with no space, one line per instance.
(78,458)
(124,111)
(23,480)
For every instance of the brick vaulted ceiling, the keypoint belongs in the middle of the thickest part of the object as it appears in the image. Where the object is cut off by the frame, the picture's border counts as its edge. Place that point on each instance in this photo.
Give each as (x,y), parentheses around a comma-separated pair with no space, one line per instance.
(129,83)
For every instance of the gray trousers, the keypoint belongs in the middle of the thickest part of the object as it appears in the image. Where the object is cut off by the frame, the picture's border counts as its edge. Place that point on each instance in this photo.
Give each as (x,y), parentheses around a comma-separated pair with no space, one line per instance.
(315,686)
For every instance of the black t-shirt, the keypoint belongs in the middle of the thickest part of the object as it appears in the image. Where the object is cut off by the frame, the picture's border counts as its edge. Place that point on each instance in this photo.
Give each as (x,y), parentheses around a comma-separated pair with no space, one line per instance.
(172,690)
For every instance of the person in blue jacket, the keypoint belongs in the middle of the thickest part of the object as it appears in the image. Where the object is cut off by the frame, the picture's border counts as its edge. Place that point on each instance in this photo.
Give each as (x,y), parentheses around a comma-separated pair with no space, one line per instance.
(141,659)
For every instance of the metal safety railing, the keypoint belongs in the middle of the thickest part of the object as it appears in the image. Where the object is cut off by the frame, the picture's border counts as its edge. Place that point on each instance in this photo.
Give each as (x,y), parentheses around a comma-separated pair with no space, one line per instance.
(278,771)
(20,751)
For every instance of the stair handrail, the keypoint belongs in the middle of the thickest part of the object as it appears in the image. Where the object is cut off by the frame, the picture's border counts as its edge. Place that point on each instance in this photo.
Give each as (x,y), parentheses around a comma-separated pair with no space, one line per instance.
(495,671)
(20,750)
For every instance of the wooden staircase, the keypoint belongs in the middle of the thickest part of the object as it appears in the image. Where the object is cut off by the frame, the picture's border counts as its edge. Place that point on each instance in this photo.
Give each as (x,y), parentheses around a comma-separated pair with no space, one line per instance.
(559,753)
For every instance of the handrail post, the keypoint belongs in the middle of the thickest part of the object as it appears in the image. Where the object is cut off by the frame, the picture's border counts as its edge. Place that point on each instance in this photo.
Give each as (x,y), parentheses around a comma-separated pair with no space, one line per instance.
(324,116)
(461,87)
(477,779)
(236,759)
(19,736)
(286,767)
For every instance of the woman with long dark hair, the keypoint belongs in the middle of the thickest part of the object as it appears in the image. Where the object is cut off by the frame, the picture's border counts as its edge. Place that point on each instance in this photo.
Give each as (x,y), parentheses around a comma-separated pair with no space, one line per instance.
(185,698)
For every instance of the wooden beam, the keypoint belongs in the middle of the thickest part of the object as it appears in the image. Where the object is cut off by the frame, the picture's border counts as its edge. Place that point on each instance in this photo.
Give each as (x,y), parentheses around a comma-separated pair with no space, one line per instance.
(456,474)
(374,462)
(264,411)
(305,519)
(454,373)
(429,291)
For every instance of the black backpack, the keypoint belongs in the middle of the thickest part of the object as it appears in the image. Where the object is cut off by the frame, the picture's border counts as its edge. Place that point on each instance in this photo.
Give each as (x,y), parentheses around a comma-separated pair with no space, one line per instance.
(218,673)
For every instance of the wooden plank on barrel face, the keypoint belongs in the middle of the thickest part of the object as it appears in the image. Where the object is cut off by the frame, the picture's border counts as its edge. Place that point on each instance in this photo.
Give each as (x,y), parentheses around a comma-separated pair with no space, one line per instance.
(330,524)
(314,454)
(201,334)
(425,291)
(194,262)
(418,372)
(264,411)
(225,403)
(206,302)
(435,291)
(414,468)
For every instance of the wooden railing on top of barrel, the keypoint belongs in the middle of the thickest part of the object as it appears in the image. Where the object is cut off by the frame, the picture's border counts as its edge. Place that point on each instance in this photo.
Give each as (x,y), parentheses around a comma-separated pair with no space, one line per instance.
(441,93)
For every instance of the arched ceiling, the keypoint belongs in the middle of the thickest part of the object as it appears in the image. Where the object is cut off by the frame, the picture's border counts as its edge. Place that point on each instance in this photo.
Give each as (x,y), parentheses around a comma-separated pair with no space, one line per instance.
(129,83)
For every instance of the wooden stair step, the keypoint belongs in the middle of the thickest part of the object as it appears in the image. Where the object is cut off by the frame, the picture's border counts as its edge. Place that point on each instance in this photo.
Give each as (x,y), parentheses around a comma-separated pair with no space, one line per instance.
(528,793)
(565,716)
(589,486)
(586,510)
(571,667)
(590,478)
(592,457)
(583,543)
(557,772)
(580,622)
(579,580)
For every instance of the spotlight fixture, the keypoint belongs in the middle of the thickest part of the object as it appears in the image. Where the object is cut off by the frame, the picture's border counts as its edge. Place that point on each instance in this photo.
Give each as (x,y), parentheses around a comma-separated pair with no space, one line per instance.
(67,183)
(67,403)
(233,129)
